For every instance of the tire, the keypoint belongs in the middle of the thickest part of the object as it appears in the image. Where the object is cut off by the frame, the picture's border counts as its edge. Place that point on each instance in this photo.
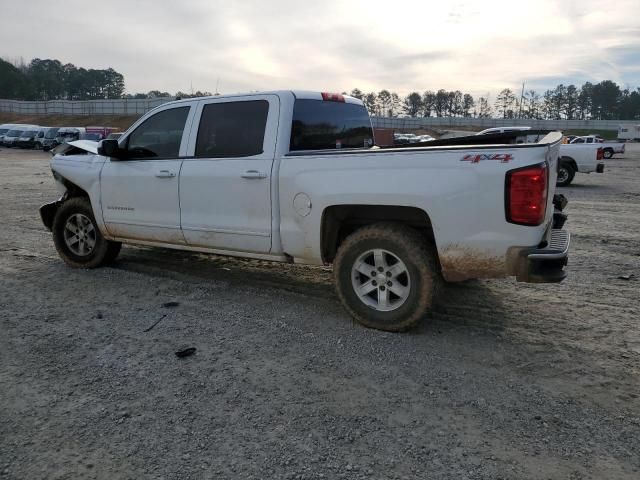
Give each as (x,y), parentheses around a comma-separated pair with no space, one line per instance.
(608,153)
(566,172)
(410,296)
(86,248)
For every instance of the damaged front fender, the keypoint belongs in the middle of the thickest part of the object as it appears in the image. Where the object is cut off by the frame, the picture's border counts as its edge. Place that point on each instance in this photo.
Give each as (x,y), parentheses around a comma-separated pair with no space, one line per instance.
(48,212)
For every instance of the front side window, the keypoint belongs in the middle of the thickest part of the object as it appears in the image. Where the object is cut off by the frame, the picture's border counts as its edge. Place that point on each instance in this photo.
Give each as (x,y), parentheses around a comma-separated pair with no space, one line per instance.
(159,136)
(319,125)
(232,129)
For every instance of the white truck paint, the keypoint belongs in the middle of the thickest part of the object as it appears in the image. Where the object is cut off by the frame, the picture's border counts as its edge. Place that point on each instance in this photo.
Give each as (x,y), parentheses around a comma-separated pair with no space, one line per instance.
(297,206)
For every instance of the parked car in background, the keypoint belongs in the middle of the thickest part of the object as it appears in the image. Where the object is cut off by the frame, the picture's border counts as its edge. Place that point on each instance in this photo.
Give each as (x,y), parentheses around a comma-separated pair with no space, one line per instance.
(490,131)
(68,134)
(11,137)
(608,148)
(4,128)
(7,127)
(114,135)
(99,133)
(574,157)
(579,157)
(27,138)
(425,138)
(93,136)
(49,139)
(40,138)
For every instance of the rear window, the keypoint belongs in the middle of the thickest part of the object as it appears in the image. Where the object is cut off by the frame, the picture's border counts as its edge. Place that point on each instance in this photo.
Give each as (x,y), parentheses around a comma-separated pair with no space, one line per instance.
(322,125)
(232,129)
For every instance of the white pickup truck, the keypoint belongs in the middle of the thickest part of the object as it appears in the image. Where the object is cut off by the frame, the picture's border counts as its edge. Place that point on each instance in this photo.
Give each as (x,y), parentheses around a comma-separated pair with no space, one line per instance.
(583,157)
(579,157)
(608,148)
(293,176)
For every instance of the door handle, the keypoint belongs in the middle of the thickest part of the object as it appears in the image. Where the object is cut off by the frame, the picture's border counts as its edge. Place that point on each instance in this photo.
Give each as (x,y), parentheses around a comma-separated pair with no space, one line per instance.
(165,174)
(254,174)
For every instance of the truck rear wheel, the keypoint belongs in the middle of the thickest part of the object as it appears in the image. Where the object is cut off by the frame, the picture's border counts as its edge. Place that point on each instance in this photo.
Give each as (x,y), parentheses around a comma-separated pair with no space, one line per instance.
(565,174)
(608,152)
(386,276)
(77,237)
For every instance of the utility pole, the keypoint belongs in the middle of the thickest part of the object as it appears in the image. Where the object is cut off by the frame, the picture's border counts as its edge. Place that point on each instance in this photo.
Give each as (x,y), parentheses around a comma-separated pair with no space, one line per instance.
(521,99)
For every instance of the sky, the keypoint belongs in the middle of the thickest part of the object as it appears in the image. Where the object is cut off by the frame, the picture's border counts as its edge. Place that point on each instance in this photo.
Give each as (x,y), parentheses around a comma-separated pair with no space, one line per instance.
(478,47)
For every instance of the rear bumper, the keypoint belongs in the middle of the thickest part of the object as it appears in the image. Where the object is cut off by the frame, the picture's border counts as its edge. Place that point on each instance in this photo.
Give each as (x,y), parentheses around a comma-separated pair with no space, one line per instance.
(600,168)
(546,264)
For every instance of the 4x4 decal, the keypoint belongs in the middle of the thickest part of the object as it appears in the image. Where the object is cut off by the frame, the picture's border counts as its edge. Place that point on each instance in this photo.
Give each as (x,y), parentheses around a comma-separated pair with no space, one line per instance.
(478,157)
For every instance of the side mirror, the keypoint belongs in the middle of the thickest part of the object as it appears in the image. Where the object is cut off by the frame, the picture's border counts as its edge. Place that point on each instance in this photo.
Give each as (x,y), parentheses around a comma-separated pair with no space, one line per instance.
(109,148)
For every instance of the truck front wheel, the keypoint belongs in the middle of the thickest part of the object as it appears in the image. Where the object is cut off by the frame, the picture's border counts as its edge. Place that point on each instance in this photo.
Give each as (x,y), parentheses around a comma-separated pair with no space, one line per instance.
(608,152)
(77,237)
(565,174)
(386,276)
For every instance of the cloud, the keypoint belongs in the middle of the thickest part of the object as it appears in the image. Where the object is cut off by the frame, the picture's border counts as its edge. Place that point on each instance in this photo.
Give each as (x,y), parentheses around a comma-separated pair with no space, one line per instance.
(337,45)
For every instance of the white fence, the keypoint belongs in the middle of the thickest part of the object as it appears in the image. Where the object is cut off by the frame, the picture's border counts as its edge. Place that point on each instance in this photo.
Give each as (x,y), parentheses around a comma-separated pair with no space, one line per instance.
(482,123)
(124,106)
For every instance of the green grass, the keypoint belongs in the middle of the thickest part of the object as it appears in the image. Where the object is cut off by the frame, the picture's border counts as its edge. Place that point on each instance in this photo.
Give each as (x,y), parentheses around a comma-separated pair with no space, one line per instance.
(606,134)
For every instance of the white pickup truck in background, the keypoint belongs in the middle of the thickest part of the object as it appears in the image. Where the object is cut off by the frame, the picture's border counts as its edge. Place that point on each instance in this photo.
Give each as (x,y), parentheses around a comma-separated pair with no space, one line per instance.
(293,176)
(608,148)
(579,157)
(582,157)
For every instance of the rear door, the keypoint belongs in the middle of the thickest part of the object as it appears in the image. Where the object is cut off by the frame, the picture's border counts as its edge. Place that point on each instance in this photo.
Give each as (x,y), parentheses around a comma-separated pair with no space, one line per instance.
(140,191)
(225,184)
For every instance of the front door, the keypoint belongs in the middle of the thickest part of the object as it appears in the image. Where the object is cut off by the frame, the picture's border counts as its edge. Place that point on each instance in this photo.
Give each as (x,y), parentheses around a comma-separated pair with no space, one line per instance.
(139,189)
(225,183)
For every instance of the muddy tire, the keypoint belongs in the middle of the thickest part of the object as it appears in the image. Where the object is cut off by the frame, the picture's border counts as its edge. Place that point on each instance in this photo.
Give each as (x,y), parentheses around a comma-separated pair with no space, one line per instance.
(77,237)
(566,173)
(386,276)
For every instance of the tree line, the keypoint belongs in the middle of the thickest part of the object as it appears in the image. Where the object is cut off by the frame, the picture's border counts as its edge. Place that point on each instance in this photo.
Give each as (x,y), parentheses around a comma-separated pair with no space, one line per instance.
(50,79)
(600,101)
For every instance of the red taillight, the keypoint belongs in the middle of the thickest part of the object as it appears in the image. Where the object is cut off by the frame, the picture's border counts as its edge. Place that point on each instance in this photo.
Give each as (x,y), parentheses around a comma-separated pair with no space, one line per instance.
(526,191)
(600,154)
(332,97)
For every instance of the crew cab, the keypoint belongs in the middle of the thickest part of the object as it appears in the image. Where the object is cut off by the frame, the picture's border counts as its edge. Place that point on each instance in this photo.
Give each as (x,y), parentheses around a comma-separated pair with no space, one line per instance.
(608,148)
(294,176)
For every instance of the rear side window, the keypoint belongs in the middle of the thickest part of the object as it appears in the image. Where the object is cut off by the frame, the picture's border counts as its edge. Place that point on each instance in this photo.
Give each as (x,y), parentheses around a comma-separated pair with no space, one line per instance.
(232,129)
(159,135)
(321,125)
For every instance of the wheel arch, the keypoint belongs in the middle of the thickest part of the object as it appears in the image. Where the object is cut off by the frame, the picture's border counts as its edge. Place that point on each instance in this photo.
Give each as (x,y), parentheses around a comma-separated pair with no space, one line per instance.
(338,221)
(570,161)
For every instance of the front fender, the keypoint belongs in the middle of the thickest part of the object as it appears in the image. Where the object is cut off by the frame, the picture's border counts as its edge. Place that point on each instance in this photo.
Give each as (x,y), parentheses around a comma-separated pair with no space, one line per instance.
(48,212)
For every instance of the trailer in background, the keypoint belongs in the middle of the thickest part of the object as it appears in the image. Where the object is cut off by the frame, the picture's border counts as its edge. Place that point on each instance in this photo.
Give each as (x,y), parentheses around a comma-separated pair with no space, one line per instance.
(629,132)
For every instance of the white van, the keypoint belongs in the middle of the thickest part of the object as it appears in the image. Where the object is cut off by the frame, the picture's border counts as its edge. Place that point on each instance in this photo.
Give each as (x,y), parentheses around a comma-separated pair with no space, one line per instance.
(6,127)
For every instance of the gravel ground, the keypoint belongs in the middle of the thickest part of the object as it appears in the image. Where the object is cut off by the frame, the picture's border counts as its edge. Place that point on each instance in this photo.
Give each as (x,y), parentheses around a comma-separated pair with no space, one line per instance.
(507,380)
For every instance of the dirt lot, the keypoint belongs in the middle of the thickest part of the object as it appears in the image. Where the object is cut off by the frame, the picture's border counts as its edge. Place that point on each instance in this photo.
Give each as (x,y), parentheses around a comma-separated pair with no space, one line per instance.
(506,381)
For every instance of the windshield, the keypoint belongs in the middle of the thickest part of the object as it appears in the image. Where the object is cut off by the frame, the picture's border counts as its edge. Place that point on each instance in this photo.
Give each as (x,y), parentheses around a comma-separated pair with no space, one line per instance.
(51,133)
(319,125)
(92,136)
(3,131)
(14,133)
(68,134)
